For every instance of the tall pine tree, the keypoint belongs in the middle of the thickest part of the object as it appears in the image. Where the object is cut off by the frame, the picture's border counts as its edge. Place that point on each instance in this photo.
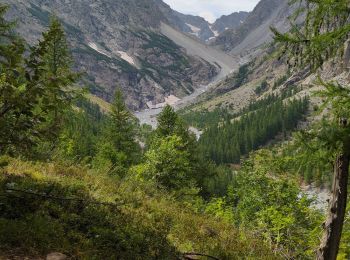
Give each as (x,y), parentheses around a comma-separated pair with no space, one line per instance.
(51,65)
(119,148)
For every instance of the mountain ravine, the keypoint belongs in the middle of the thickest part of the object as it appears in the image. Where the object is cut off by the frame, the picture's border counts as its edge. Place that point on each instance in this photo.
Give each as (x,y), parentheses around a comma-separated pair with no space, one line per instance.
(119,43)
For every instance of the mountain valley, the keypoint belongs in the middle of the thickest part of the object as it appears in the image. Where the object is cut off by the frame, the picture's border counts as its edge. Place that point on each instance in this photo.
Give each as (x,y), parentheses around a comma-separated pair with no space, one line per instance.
(130,130)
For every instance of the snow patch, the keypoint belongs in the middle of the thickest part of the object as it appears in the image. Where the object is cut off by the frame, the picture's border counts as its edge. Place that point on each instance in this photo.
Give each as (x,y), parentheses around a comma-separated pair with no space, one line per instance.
(216,33)
(211,38)
(195,30)
(94,46)
(122,54)
(127,57)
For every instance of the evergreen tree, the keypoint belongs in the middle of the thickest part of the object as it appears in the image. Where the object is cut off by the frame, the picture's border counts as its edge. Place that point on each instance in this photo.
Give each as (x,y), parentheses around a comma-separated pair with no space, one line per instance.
(323,37)
(51,65)
(168,121)
(169,163)
(35,92)
(119,147)
(18,98)
(227,142)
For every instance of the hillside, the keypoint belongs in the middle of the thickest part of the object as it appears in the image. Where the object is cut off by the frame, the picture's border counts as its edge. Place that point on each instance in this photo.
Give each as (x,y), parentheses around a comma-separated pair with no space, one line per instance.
(115,219)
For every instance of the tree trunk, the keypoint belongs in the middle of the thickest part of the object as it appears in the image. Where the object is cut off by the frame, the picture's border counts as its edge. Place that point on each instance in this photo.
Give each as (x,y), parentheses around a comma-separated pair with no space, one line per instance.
(334,225)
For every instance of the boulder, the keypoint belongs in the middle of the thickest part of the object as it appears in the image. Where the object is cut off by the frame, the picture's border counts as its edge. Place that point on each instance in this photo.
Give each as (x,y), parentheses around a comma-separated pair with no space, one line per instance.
(56,256)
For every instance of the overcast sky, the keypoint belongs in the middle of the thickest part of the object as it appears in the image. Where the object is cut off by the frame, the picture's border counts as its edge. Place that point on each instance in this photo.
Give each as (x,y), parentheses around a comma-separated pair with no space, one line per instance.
(211,9)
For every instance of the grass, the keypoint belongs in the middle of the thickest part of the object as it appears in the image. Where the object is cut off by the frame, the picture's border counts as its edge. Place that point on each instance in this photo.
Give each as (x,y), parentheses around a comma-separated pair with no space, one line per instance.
(88,214)
(104,105)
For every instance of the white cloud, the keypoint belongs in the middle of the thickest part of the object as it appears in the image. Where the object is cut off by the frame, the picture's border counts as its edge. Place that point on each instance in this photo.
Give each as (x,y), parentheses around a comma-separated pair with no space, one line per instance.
(211,9)
(210,17)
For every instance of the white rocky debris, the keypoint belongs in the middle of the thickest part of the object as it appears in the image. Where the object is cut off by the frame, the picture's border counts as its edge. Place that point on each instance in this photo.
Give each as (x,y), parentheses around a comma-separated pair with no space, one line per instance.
(94,46)
(216,33)
(127,57)
(169,100)
(122,54)
(195,30)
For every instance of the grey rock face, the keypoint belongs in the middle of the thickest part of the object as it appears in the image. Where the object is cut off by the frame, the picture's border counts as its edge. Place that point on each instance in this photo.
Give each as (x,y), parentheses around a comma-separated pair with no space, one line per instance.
(118,43)
(231,21)
(190,24)
(255,30)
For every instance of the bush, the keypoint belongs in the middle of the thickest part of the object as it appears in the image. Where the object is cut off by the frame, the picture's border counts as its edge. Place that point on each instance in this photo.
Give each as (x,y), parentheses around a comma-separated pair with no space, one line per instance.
(87,215)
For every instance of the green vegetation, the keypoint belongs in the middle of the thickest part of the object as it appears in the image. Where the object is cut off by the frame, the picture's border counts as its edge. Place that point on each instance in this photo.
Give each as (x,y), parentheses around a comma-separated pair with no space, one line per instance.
(261,88)
(96,196)
(279,81)
(204,118)
(96,185)
(40,14)
(242,75)
(88,214)
(323,38)
(227,142)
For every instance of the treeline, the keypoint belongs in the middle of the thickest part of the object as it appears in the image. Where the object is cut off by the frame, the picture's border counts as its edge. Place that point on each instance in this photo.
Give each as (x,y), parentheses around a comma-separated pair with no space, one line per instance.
(226,143)
(205,118)
(202,119)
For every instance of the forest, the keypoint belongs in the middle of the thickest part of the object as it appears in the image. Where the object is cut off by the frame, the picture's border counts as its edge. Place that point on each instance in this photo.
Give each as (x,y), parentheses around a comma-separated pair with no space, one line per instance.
(228,141)
(93,184)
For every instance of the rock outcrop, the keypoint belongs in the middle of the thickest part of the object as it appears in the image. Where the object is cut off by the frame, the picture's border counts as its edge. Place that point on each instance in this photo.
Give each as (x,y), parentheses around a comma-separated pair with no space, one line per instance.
(119,43)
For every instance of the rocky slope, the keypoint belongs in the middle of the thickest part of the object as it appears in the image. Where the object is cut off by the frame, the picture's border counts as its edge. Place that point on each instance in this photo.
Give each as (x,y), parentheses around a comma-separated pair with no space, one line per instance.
(119,43)
(255,31)
(232,21)
(189,24)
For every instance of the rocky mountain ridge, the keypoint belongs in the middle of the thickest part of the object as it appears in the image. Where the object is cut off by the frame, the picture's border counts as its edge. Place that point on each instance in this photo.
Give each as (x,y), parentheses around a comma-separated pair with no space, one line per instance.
(118,43)
(255,31)
(231,21)
(145,47)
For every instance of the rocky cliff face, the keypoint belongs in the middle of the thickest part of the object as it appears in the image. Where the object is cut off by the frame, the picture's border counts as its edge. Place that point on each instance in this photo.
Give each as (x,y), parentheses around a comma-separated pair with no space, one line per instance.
(232,21)
(189,24)
(255,30)
(119,43)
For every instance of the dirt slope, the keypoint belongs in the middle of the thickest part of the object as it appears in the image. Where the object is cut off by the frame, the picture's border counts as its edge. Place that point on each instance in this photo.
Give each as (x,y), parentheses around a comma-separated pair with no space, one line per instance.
(196,48)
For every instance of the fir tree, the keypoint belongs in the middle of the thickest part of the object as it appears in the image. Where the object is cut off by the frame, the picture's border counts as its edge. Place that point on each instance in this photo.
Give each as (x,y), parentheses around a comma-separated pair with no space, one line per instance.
(119,147)
(51,65)
(167,121)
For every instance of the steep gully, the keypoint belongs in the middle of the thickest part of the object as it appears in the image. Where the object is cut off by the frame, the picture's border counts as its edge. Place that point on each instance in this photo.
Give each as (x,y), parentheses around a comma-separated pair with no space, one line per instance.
(193,47)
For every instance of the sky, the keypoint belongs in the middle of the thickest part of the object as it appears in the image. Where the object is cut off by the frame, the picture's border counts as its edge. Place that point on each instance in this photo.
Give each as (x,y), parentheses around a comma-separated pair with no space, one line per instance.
(211,9)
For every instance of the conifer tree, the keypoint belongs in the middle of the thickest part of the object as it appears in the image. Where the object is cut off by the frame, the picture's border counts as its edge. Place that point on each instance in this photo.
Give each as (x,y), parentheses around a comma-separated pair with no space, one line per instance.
(51,65)
(119,146)
(34,92)
(167,121)
(17,99)
(323,36)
